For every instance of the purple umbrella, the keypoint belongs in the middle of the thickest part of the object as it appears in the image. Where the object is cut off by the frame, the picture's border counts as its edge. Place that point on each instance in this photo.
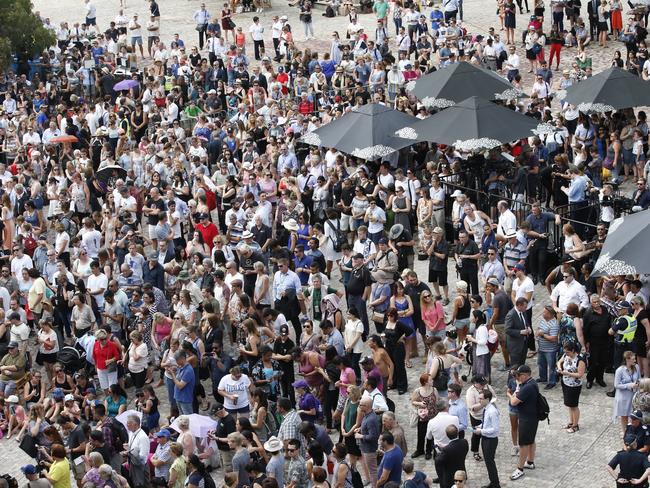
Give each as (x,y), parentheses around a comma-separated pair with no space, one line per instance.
(125,85)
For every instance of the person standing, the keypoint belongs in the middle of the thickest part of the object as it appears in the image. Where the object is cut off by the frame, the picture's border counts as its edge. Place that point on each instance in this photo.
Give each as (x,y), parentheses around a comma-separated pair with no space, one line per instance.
(595,325)
(451,458)
(634,465)
(201,19)
(359,289)
(489,432)
(467,256)
(547,345)
(183,378)
(525,399)
(390,468)
(572,366)
(257,34)
(367,435)
(518,328)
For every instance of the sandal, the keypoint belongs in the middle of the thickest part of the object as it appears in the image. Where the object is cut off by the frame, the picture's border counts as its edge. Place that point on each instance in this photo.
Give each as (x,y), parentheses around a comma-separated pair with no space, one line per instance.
(477,457)
(568,426)
(573,429)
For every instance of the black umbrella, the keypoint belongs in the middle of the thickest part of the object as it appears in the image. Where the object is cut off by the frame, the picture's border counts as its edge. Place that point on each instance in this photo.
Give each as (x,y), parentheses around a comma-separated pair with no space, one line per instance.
(609,90)
(109,174)
(472,124)
(626,247)
(366,132)
(448,86)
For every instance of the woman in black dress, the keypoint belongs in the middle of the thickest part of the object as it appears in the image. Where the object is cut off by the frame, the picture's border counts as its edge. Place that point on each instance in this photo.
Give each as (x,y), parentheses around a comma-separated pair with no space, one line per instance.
(395,333)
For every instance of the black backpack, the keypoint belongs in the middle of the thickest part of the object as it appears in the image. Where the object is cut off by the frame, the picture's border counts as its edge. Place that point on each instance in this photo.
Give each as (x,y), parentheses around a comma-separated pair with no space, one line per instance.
(339,236)
(543,409)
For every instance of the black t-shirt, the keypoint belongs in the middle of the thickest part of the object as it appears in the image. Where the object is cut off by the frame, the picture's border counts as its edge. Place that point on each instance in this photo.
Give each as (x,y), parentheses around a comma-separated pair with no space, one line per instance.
(225,426)
(405,236)
(359,279)
(435,263)
(504,304)
(160,205)
(261,234)
(528,395)
(283,349)
(632,464)
(75,439)
(596,325)
(469,249)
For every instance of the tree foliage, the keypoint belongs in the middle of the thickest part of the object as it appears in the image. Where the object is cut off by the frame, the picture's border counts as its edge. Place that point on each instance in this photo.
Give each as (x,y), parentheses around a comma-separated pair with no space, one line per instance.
(21,32)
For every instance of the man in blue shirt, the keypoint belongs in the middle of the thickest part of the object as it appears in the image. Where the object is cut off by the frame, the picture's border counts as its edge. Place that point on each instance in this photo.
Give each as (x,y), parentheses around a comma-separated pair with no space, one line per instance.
(302,262)
(183,378)
(577,193)
(390,468)
(538,252)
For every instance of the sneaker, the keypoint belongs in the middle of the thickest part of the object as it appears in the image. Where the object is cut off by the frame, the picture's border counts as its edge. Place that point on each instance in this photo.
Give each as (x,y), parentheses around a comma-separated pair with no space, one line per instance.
(611,394)
(417,454)
(529,465)
(514,451)
(601,383)
(516,474)
(550,386)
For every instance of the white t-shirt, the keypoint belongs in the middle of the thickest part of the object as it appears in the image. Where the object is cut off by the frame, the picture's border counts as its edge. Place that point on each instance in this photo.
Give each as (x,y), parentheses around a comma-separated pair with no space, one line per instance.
(92,241)
(5,297)
(526,287)
(351,328)
(138,365)
(18,264)
(52,337)
(20,334)
(97,283)
(235,387)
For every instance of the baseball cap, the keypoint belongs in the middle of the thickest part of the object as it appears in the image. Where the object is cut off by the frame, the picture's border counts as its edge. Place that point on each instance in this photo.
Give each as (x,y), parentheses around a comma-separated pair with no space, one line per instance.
(520,267)
(300,384)
(12,345)
(637,414)
(523,369)
(29,469)
(383,240)
(217,407)
(163,433)
(493,282)
(284,330)
(68,398)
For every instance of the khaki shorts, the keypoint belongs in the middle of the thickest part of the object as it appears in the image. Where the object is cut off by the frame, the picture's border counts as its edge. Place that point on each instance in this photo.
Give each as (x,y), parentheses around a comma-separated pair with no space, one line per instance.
(501,332)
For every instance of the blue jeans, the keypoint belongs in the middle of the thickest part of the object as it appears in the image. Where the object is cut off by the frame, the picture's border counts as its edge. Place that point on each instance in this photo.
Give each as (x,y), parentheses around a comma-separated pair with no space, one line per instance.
(546,363)
(185,408)
(169,383)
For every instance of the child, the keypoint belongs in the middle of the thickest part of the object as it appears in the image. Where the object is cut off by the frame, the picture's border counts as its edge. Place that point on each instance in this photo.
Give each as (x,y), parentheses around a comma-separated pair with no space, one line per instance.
(15,413)
(71,408)
(89,403)
(451,344)
(426,239)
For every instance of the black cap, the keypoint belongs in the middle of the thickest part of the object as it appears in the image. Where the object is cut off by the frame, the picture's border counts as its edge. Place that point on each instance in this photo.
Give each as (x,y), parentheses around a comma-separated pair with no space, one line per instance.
(524,369)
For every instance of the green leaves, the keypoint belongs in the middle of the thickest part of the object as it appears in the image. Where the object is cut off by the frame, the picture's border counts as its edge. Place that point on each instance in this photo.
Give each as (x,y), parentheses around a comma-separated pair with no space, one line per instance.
(21,31)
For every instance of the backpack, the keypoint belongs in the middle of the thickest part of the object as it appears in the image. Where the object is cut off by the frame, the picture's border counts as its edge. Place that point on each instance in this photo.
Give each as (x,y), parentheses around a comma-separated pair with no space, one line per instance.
(543,409)
(353,479)
(30,244)
(208,482)
(339,236)
(441,380)
(493,341)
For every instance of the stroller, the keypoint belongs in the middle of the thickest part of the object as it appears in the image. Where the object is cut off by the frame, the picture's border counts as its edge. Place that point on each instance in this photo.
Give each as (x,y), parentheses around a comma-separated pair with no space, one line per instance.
(72,358)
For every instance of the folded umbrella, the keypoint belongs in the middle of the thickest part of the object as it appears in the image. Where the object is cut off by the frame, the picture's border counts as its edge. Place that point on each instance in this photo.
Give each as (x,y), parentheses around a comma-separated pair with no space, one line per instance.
(366,132)
(612,89)
(471,125)
(63,139)
(125,85)
(454,83)
(626,246)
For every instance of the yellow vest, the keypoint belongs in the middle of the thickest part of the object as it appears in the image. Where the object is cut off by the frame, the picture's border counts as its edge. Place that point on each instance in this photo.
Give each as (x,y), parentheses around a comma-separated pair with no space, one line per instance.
(627,334)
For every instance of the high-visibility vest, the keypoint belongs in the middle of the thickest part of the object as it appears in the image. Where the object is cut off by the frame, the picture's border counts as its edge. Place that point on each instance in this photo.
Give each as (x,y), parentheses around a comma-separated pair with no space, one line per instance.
(627,334)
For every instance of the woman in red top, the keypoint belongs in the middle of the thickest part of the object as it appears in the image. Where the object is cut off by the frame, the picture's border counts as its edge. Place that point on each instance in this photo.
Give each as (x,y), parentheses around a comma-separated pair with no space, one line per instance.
(106,355)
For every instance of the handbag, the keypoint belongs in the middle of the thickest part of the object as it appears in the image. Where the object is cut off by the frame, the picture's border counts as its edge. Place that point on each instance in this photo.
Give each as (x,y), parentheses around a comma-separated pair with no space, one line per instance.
(28,445)
(111,367)
(378,317)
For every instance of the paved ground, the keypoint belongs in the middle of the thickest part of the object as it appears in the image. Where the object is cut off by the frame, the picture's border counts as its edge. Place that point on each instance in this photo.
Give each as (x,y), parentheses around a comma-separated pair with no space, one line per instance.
(563,460)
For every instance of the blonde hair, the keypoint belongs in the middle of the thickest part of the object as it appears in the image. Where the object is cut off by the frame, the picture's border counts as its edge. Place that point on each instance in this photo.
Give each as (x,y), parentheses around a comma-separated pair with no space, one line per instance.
(354,393)
(644,385)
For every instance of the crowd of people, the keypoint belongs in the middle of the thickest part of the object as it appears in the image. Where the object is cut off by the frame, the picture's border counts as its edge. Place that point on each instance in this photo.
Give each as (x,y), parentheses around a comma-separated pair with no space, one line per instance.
(174,242)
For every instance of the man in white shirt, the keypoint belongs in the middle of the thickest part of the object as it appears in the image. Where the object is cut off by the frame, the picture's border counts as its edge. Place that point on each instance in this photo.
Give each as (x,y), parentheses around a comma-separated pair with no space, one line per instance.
(365,246)
(507,222)
(31,137)
(50,133)
(91,238)
(138,450)
(97,284)
(135,31)
(20,261)
(511,66)
(256,31)
(569,291)
(437,426)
